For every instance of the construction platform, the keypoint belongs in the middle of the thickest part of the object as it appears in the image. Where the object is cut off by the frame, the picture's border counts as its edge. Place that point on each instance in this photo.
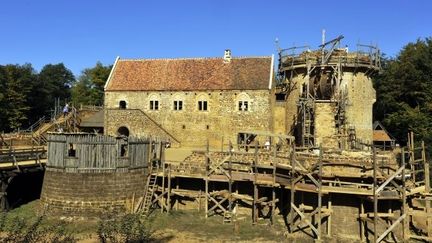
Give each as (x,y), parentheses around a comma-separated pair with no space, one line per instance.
(375,195)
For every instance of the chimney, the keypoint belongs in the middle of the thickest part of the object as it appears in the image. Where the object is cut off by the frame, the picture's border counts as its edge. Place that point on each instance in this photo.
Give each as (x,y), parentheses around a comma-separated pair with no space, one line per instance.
(227,56)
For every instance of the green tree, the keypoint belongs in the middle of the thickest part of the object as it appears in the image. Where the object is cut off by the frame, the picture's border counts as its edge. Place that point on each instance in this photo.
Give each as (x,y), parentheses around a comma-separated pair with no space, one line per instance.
(54,81)
(17,83)
(3,119)
(89,88)
(404,92)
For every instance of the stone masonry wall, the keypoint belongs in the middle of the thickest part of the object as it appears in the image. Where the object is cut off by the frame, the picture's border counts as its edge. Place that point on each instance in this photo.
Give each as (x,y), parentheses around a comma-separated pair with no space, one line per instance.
(221,122)
(361,97)
(325,126)
(88,194)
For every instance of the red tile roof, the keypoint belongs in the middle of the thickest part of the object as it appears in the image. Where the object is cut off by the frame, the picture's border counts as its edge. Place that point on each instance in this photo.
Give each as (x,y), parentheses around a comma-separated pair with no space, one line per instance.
(190,74)
(381,136)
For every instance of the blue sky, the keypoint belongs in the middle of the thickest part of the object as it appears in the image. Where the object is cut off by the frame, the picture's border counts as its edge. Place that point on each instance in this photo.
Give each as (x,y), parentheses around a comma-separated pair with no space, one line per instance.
(81,32)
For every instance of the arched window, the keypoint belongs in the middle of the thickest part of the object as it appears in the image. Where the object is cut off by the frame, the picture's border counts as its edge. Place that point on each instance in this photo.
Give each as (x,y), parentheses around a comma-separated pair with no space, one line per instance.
(123,131)
(122,104)
(177,102)
(202,103)
(153,102)
(243,102)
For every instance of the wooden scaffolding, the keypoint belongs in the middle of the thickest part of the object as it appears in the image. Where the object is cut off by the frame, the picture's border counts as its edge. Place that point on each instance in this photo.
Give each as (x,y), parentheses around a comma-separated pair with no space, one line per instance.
(385,190)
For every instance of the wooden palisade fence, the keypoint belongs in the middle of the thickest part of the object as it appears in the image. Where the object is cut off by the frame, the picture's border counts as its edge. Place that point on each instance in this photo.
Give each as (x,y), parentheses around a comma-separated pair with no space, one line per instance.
(97,153)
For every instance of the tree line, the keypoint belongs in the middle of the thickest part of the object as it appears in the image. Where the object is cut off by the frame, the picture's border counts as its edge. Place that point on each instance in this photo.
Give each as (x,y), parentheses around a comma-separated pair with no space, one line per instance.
(27,95)
(404,91)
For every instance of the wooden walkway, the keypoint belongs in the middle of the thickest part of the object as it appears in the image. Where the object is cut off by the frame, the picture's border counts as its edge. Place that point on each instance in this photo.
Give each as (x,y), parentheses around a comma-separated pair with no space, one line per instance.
(14,158)
(15,161)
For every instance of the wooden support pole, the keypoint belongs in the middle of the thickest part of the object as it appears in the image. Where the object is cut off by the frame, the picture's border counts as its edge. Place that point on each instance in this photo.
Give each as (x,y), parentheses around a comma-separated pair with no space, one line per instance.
(429,218)
(426,169)
(169,189)
(255,205)
(178,197)
(207,181)
(362,222)
(4,183)
(255,188)
(412,155)
(292,191)
(273,204)
(329,219)
(163,187)
(405,223)
(230,178)
(320,194)
(375,196)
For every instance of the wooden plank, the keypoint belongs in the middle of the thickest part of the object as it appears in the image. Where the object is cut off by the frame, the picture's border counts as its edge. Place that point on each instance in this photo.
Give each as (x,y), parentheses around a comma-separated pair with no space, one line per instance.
(390,228)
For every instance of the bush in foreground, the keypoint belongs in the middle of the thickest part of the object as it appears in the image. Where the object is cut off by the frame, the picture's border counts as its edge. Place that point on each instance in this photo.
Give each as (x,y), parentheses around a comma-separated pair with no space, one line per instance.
(126,228)
(17,229)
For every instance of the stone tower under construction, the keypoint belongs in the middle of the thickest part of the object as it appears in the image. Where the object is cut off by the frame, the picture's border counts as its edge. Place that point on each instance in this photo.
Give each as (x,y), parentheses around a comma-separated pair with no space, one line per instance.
(325,96)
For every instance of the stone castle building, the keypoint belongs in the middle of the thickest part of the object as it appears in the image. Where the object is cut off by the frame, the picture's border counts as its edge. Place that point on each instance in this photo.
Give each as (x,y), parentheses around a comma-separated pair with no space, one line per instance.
(321,97)
(190,100)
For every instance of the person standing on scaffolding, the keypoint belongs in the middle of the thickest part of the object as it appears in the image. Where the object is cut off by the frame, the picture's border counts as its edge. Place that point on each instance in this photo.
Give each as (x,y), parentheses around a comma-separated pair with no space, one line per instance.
(66,110)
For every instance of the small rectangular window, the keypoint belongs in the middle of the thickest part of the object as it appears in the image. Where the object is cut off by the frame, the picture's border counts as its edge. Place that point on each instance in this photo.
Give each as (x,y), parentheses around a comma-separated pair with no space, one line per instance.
(243,106)
(202,105)
(123,150)
(154,105)
(122,104)
(178,105)
(72,150)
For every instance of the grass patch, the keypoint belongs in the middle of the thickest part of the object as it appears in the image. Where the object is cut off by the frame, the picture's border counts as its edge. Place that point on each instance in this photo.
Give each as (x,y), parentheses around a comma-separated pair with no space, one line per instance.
(183,225)
(29,212)
(212,228)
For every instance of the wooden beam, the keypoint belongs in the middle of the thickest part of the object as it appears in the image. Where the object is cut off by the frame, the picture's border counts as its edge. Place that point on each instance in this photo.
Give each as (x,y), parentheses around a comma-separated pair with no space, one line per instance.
(207,181)
(375,195)
(218,204)
(383,185)
(426,169)
(169,189)
(304,219)
(390,228)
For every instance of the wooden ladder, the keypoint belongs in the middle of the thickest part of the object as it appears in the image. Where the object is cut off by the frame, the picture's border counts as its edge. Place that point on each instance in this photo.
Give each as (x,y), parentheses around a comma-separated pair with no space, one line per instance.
(150,190)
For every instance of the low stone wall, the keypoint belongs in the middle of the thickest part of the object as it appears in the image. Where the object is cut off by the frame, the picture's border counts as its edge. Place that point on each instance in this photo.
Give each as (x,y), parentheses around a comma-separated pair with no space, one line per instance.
(88,194)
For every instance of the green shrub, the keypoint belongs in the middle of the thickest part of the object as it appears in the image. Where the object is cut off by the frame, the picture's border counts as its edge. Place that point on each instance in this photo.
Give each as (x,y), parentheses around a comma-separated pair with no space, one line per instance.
(126,228)
(17,229)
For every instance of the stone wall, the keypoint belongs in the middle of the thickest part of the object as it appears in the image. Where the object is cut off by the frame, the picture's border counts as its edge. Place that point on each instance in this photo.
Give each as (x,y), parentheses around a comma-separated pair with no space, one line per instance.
(361,97)
(191,127)
(325,126)
(88,194)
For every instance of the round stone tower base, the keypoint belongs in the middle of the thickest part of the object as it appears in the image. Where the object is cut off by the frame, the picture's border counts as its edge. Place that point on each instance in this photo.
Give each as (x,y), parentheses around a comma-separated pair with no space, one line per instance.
(88,194)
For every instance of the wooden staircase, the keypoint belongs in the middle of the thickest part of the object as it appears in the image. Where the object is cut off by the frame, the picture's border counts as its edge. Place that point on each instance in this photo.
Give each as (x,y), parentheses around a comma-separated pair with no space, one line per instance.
(68,123)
